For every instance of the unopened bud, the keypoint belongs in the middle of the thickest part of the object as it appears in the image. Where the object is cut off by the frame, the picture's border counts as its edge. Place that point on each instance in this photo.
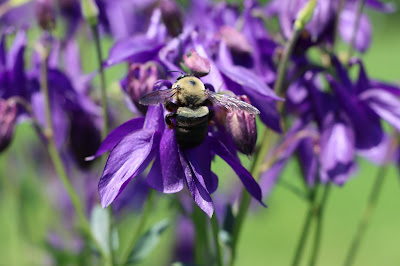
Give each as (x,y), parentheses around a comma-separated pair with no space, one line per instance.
(199,66)
(172,17)
(141,79)
(90,11)
(45,14)
(243,129)
(235,40)
(305,15)
(8,114)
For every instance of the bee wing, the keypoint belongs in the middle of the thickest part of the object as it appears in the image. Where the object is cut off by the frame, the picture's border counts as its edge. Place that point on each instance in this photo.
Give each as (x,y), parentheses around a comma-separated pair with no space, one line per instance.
(156,97)
(231,103)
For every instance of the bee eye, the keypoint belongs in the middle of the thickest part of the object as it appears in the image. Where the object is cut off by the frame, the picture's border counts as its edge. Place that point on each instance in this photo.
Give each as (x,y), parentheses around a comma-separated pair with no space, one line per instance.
(192,82)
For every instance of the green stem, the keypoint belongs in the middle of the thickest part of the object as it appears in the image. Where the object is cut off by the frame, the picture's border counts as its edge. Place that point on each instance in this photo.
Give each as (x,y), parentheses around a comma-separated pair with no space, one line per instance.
(96,36)
(319,217)
(199,221)
(355,29)
(306,228)
(215,229)
(140,227)
(287,53)
(256,168)
(245,201)
(364,222)
(56,158)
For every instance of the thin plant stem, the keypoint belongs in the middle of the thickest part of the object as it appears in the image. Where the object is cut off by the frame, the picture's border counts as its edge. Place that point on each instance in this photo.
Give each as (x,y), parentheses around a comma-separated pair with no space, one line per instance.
(366,218)
(199,221)
(306,227)
(139,228)
(215,229)
(246,197)
(56,158)
(96,36)
(355,29)
(256,168)
(318,233)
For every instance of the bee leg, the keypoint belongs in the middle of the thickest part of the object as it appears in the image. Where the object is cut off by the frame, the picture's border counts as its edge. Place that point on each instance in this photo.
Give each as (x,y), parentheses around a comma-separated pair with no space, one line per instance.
(171,107)
(169,121)
(210,116)
(208,102)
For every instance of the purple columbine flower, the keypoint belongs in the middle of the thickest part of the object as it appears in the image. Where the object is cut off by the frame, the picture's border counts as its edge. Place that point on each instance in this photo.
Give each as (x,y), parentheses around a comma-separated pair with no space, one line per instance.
(139,141)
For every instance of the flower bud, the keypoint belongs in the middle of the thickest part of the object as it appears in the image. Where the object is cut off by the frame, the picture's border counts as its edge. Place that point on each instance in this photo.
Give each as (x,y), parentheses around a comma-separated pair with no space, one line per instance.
(45,14)
(235,40)
(141,78)
(90,11)
(199,66)
(243,129)
(172,17)
(8,114)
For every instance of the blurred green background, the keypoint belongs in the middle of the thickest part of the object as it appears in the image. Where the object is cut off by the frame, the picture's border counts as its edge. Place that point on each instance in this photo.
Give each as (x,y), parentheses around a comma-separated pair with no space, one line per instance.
(270,235)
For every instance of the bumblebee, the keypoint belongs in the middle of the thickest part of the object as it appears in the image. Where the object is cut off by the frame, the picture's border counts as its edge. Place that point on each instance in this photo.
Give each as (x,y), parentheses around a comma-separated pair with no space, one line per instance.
(188,102)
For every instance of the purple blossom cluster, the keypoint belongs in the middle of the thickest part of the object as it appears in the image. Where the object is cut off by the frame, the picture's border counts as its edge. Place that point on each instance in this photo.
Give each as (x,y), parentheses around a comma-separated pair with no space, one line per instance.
(325,115)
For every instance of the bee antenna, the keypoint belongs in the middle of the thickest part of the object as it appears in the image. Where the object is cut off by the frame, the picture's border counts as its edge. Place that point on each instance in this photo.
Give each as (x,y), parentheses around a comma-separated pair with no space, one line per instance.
(170,71)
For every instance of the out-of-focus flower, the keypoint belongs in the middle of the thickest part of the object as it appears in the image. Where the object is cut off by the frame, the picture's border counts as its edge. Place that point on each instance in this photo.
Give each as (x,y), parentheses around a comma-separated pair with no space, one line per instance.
(8,114)
(171,16)
(45,14)
(337,150)
(322,24)
(198,66)
(140,81)
(243,129)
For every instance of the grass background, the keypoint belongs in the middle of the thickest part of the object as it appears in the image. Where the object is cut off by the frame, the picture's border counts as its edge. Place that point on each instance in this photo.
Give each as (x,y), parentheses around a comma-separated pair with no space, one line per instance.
(27,213)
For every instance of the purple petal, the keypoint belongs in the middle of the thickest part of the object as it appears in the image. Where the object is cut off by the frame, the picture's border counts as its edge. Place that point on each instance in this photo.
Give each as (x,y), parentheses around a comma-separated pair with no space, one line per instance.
(391,88)
(361,116)
(248,80)
(195,182)
(337,149)
(308,160)
(203,156)
(138,49)
(155,118)
(247,179)
(382,7)
(379,154)
(268,112)
(117,134)
(346,27)
(126,160)
(385,104)
(167,175)
(59,117)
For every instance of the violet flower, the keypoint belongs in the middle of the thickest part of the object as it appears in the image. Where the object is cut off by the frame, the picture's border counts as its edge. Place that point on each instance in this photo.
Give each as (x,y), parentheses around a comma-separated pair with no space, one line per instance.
(139,141)
(321,27)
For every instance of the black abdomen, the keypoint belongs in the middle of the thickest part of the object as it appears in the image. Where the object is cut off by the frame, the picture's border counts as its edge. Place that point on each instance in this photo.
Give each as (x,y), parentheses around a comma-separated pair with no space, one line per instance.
(191,126)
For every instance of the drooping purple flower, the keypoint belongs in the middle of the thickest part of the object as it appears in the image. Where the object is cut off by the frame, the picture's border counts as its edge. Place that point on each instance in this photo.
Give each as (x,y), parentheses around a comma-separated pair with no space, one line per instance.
(243,129)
